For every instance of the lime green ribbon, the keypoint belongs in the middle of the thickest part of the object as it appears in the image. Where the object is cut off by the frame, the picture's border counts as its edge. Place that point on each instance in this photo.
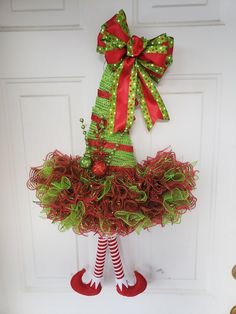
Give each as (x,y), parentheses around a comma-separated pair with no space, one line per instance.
(64,184)
(47,169)
(84,180)
(136,220)
(46,196)
(174,175)
(142,195)
(175,197)
(106,187)
(171,200)
(74,218)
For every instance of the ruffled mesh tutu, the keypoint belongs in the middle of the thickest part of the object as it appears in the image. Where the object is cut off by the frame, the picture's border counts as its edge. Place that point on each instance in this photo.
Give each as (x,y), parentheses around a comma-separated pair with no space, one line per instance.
(155,192)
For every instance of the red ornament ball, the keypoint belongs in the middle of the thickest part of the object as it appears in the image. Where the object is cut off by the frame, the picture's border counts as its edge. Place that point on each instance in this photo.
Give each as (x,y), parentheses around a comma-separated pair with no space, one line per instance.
(99,168)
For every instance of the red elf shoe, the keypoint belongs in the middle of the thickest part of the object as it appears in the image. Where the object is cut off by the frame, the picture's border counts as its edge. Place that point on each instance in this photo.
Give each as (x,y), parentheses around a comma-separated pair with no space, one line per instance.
(79,286)
(137,288)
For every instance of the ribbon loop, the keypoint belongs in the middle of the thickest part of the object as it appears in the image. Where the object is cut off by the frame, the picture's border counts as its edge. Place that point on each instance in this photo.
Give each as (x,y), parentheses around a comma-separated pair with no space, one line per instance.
(137,63)
(135,46)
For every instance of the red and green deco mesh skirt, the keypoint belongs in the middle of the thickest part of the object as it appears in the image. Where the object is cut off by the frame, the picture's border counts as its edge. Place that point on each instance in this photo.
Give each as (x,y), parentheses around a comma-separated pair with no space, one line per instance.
(106,191)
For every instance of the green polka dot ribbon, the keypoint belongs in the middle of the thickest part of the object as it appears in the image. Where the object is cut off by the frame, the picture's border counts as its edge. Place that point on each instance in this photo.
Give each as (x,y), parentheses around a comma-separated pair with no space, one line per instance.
(137,63)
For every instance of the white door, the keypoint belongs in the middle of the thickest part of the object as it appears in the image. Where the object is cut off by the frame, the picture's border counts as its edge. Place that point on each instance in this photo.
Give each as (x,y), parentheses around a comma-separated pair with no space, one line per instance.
(50,72)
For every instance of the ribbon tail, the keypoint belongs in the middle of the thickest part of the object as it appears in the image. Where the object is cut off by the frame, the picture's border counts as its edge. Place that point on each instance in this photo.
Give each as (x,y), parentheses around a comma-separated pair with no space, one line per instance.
(151,103)
(123,97)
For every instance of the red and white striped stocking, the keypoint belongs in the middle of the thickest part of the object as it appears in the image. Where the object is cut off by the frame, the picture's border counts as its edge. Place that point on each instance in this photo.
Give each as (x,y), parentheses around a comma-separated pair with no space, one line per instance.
(100,261)
(117,264)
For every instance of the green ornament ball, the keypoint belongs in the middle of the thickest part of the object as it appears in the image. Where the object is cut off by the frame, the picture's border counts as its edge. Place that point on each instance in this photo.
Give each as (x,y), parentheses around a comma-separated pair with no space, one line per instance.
(85,162)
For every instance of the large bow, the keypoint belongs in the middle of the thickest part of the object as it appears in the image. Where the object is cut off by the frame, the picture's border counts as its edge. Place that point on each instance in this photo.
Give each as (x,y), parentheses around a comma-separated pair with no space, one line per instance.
(137,63)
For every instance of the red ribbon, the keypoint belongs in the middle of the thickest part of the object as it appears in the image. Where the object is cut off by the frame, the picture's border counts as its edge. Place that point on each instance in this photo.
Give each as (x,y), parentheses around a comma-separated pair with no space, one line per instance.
(122,95)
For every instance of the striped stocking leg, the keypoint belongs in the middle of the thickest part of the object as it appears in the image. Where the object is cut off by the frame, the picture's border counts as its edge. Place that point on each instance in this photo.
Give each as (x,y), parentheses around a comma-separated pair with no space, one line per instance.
(122,285)
(100,261)
(117,264)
